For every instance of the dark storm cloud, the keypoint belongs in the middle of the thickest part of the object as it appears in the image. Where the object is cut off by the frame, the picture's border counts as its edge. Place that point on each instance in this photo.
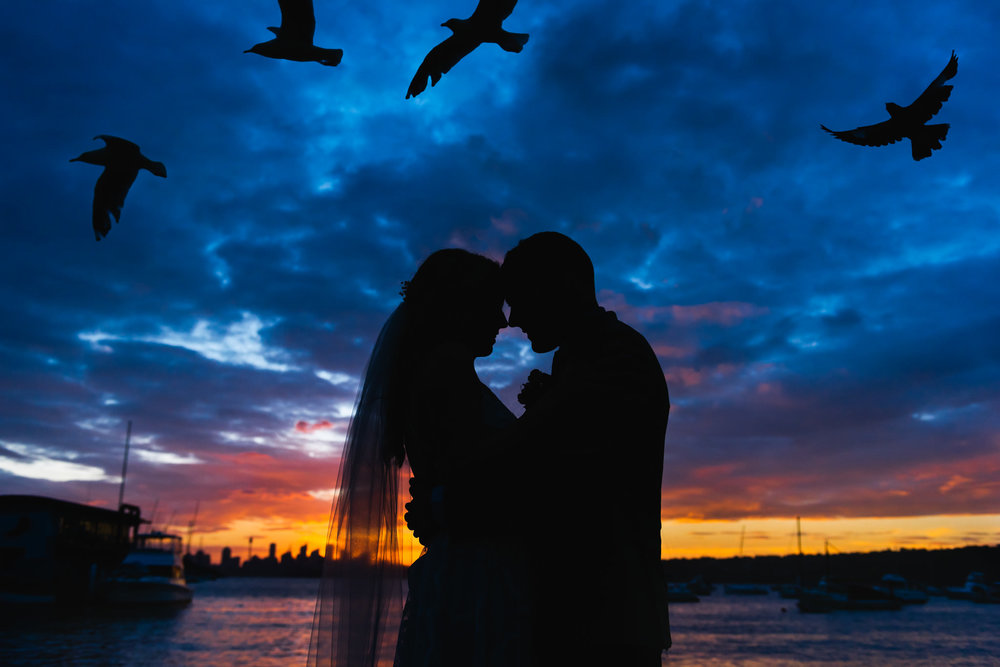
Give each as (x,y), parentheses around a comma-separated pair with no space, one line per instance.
(826,316)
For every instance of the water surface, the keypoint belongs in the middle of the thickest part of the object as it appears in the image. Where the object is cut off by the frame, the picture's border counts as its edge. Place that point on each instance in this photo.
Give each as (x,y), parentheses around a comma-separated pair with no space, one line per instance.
(266,622)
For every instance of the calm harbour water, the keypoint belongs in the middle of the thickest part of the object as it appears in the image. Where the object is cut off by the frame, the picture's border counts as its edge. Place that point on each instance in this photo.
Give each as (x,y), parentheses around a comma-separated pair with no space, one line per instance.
(266,622)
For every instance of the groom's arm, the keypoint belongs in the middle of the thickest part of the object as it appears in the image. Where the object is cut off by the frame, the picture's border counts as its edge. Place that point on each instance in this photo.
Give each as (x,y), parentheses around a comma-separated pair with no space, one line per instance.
(584,425)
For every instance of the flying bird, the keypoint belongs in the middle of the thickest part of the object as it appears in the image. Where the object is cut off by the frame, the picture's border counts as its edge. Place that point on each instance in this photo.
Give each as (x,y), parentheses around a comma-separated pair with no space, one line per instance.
(122,161)
(485,25)
(909,121)
(294,39)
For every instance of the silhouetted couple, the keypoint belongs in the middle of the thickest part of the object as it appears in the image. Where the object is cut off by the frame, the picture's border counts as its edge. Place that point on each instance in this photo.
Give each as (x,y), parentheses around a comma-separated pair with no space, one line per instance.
(542,533)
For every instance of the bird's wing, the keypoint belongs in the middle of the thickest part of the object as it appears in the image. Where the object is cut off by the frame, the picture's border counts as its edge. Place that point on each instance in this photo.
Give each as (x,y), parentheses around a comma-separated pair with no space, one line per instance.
(112,186)
(493,10)
(117,143)
(881,134)
(298,22)
(100,220)
(438,61)
(930,101)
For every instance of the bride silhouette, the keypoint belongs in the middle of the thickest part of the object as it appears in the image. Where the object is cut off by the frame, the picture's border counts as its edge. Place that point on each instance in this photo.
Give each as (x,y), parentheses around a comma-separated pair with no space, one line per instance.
(421,401)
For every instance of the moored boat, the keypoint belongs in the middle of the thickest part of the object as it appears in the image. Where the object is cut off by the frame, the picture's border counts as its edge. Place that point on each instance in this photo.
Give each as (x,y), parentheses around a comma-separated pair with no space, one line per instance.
(699,586)
(680,592)
(829,596)
(974,587)
(54,550)
(151,574)
(789,591)
(745,589)
(896,586)
(990,596)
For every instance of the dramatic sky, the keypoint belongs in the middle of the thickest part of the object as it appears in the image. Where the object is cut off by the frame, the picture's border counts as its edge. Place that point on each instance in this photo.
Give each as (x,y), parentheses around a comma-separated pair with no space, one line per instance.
(827,316)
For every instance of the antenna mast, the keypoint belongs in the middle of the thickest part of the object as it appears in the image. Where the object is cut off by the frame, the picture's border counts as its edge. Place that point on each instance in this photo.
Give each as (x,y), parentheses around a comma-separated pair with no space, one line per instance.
(121,489)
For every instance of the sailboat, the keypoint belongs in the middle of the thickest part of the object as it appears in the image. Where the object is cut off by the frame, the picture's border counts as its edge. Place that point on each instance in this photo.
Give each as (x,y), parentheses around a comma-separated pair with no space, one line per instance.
(792,591)
(829,595)
(744,589)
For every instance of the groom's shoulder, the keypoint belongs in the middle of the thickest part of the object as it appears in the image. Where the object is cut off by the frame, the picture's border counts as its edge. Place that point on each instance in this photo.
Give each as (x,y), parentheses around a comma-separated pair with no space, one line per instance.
(623,333)
(623,353)
(618,342)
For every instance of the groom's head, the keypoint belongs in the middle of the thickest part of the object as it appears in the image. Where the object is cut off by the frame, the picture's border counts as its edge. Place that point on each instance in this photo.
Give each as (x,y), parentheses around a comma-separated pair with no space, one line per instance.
(549,284)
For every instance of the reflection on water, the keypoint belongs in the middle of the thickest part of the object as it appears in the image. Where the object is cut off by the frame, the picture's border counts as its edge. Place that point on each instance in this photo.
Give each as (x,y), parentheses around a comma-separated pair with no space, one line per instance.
(769,631)
(266,622)
(231,621)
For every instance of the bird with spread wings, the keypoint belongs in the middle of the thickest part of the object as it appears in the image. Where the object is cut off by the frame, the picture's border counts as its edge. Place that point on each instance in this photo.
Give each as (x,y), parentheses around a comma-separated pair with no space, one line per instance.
(909,122)
(122,161)
(294,39)
(485,25)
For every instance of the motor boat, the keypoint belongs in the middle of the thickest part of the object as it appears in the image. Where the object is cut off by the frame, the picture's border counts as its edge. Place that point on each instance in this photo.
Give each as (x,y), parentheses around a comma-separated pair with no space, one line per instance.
(152,572)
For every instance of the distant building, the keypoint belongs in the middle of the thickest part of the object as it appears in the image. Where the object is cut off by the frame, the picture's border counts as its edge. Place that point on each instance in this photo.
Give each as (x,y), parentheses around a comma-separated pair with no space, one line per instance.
(230,564)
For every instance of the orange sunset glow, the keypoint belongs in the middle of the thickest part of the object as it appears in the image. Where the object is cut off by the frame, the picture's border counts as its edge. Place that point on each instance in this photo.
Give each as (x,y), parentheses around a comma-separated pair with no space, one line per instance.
(680,538)
(293,520)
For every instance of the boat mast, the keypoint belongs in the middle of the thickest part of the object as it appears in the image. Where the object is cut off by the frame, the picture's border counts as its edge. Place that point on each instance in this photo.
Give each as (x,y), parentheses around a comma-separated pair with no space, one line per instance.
(798,534)
(826,558)
(191,525)
(121,489)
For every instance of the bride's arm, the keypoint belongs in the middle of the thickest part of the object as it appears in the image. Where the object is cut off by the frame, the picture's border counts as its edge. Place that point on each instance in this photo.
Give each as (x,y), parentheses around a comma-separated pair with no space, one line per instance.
(452,417)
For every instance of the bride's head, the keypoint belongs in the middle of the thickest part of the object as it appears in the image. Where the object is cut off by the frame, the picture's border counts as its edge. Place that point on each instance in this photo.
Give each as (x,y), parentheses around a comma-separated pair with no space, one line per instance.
(455,298)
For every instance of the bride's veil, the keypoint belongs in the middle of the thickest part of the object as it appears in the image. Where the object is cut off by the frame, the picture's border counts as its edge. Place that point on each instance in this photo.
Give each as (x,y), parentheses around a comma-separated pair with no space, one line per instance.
(361,580)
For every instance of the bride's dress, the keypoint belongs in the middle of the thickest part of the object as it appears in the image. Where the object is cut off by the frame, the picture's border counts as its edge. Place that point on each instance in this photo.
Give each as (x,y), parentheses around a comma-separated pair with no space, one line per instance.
(466,604)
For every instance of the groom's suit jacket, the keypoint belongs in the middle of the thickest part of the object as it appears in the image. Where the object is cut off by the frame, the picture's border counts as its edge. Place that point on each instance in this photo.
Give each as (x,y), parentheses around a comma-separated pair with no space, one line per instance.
(578,478)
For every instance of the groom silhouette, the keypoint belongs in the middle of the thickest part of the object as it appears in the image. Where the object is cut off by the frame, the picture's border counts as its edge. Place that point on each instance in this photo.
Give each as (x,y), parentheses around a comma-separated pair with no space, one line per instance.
(578,477)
